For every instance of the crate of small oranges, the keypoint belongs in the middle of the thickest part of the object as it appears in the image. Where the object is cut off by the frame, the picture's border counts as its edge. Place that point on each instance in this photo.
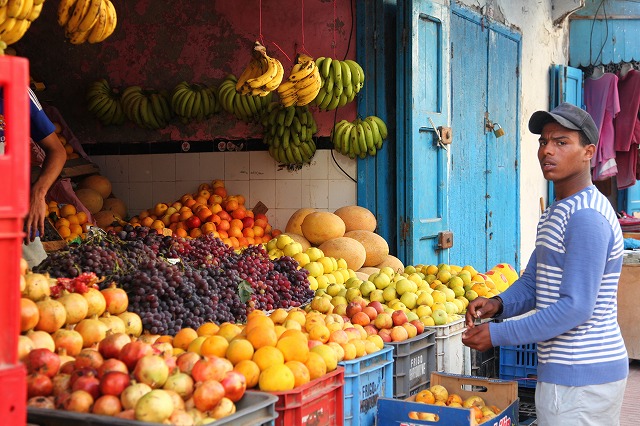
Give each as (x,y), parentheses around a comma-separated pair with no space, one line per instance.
(68,221)
(71,153)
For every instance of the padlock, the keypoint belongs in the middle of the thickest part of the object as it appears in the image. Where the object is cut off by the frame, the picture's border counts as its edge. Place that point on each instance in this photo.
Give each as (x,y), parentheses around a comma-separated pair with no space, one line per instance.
(498,131)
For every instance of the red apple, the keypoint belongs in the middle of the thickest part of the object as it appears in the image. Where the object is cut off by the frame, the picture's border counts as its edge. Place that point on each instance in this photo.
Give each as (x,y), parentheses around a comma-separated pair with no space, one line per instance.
(234,384)
(399,317)
(377,306)
(383,321)
(370,329)
(360,318)
(353,308)
(419,325)
(371,312)
(193,222)
(312,343)
(385,334)
(399,333)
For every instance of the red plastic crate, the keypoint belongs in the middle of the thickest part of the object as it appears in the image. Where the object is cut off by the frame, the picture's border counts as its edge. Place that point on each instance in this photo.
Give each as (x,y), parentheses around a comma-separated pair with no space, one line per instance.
(14,203)
(318,403)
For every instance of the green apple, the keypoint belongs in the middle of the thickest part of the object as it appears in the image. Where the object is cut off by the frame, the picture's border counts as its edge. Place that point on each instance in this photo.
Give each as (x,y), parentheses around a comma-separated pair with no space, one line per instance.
(292,249)
(333,289)
(302,259)
(427,321)
(272,244)
(406,286)
(339,300)
(425,298)
(314,253)
(409,299)
(283,240)
(439,317)
(389,293)
(423,311)
(471,295)
(352,293)
(380,280)
(377,296)
(353,282)
(366,288)
(388,271)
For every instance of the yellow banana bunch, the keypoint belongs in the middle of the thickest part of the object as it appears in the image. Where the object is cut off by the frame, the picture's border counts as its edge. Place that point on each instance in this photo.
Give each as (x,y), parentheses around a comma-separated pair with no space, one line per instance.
(303,84)
(87,20)
(289,134)
(194,101)
(16,17)
(147,108)
(245,107)
(342,81)
(359,138)
(104,102)
(263,74)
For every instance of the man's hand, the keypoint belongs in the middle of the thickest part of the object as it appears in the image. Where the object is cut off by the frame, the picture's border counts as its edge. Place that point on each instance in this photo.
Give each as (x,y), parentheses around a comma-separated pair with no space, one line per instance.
(481,307)
(36,217)
(478,337)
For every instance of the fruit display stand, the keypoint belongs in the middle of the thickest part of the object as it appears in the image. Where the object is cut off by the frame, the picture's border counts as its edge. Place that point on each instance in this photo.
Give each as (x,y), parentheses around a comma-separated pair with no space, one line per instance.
(365,380)
(496,392)
(254,409)
(449,347)
(14,203)
(413,361)
(319,402)
(628,314)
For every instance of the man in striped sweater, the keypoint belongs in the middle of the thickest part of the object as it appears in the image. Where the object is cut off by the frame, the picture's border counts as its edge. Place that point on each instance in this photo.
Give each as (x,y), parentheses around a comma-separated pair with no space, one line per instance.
(570,283)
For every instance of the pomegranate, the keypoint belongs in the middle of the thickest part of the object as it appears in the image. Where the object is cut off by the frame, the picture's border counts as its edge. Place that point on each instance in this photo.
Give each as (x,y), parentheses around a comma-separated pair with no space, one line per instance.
(133,351)
(61,383)
(164,349)
(25,345)
(52,315)
(132,323)
(152,370)
(155,407)
(75,306)
(89,358)
(41,402)
(197,415)
(113,322)
(112,364)
(29,314)
(149,338)
(207,395)
(90,384)
(24,266)
(180,383)
(114,382)
(111,345)
(43,361)
(97,304)
(130,396)
(65,359)
(224,408)
(182,418)
(36,287)
(127,414)
(82,372)
(42,339)
(186,361)
(68,367)
(116,299)
(211,368)
(92,331)
(78,401)
(23,284)
(39,385)
(234,384)
(69,340)
(178,402)
(107,405)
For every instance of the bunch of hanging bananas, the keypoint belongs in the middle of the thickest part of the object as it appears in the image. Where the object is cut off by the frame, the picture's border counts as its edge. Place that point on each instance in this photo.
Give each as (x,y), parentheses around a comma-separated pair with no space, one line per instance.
(342,81)
(263,74)
(87,20)
(105,103)
(289,133)
(303,83)
(359,138)
(244,107)
(147,108)
(16,17)
(194,101)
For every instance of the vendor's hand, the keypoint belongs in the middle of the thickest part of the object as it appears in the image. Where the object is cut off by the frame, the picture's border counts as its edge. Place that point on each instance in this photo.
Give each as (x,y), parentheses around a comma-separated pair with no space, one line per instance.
(481,307)
(35,218)
(478,337)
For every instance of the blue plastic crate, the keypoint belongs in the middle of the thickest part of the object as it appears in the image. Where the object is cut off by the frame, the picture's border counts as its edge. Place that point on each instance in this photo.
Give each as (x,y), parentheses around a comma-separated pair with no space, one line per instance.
(365,380)
(520,363)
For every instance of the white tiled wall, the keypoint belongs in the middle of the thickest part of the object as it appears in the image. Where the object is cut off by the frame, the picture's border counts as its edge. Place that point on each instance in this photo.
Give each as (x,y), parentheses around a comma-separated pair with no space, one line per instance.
(141,181)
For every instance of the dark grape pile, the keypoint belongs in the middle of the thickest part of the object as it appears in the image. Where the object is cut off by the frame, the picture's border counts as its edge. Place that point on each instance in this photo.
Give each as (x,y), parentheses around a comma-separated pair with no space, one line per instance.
(174,283)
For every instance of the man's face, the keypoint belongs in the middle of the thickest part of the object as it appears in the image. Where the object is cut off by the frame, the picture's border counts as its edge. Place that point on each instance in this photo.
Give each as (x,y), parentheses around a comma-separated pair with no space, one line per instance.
(560,153)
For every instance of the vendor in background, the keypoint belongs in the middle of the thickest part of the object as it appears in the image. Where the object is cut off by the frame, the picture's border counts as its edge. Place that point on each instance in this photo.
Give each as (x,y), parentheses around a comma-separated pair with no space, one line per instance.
(571,284)
(43,134)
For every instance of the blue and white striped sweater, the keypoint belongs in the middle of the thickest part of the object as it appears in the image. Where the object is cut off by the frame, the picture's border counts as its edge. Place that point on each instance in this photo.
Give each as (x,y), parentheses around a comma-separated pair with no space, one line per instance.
(571,281)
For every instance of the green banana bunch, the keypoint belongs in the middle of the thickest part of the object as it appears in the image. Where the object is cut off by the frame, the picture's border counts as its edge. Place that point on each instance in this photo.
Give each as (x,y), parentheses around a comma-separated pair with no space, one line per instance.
(16,17)
(303,83)
(289,134)
(342,81)
(245,107)
(359,138)
(194,101)
(105,103)
(147,108)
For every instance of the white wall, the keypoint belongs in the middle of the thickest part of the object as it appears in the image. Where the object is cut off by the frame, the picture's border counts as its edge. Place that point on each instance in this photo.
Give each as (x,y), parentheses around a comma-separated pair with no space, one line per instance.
(543,44)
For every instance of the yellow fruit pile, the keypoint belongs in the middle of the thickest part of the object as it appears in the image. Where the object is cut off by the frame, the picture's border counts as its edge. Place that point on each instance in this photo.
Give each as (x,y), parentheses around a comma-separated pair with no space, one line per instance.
(439,395)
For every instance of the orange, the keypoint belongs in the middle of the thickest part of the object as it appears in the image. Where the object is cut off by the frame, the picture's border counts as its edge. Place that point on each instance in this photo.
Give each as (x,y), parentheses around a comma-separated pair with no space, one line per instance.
(235,232)
(231,205)
(239,350)
(300,372)
(180,232)
(277,378)
(76,229)
(258,231)
(239,213)
(195,233)
(229,330)
(257,320)
(204,213)
(214,345)
(147,221)
(316,365)
(248,233)
(294,348)
(196,344)
(82,217)
(73,219)
(425,396)
(267,356)
(184,337)
(255,313)
(64,231)
(208,329)
(298,315)
(262,336)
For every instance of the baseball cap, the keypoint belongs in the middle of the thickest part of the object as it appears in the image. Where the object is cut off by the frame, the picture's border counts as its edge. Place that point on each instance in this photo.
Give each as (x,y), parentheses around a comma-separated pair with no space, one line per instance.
(569,116)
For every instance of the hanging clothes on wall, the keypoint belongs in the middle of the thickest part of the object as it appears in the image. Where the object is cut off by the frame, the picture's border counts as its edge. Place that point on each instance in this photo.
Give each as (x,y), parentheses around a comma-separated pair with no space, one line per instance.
(627,127)
(601,100)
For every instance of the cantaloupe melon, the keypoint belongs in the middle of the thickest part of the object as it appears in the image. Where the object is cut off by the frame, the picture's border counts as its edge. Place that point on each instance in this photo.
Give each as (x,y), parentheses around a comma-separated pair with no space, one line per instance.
(362,276)
(104,218)
(346,248)
(319,227)
(357,218)
(98,183)
(91,199)
(392,261)
(368,270)
(295,221)
(299,239)
(376,246)
(117,206)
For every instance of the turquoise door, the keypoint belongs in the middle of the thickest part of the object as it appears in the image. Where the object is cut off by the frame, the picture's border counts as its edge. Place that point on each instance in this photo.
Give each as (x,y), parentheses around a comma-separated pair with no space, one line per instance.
(422,106)
(484,174)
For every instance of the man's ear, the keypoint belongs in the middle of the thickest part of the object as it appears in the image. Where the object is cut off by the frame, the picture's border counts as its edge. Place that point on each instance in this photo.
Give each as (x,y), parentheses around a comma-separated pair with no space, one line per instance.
(590,151)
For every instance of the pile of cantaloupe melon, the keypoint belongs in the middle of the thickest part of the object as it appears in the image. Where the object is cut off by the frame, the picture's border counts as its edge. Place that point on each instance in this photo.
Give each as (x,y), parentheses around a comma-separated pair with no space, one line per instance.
(94,192)
(347,233)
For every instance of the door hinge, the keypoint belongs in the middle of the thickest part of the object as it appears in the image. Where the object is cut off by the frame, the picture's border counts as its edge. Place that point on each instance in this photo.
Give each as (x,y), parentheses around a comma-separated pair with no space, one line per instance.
(404,230)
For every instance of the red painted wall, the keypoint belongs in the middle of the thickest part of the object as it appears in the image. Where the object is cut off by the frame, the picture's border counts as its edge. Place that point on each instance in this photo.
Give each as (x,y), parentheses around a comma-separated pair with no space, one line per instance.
(157,44)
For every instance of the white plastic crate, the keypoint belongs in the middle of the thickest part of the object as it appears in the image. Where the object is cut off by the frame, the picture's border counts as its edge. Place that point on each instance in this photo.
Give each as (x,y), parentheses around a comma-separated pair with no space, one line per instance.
(449,348)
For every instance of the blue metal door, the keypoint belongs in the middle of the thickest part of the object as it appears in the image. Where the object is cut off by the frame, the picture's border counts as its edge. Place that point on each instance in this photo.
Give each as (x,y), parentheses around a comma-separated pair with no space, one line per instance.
(484,178)
(422,100)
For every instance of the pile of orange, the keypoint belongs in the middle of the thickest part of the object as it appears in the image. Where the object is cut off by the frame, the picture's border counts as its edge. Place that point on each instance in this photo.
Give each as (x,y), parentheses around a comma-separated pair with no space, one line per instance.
(71,223)
(71,153)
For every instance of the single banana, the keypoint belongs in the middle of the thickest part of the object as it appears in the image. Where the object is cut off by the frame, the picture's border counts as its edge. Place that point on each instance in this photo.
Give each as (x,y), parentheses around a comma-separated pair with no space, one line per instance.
(377,139)
(286,86)
(275,82)
(91,17)
(345,138)
(338,130)
(112,20)
(343,100)
(326,67)
(362,143)
(290,100)
(156,107)
(78,37)
(296,155)
(206,101)
(326,101)
(27,5)
(307,151)
(320,96)
(382,127)
(95,35)
(368,134)
(336,69)
(328,84)
(7,26)
(64,11)
(290,112)
(334,103)
(345,74)
(79,11)
(14,7)
(289,155)
(35,12)
(295,124)
(286,137)
(354,146)
(295,137)
(355,72)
